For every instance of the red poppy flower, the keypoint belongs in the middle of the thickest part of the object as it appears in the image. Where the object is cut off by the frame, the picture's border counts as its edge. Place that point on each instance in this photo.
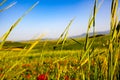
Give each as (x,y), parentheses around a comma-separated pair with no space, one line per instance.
(28,76)
(1,69)
(42,77)
(66,77)
(1,75)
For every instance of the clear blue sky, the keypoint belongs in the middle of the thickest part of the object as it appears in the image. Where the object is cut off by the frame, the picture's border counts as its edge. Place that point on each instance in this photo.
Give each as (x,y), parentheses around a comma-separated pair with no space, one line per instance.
(51,17)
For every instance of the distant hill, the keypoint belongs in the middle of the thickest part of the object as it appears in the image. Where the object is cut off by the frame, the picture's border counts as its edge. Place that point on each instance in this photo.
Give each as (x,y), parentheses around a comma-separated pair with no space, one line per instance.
(101,33)
(91,34)
(70,44)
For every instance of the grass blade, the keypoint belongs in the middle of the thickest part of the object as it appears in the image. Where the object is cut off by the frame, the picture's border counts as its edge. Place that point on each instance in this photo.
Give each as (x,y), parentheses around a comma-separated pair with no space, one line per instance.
(5,36)
(18,61)
(9,6)
(114,21)
(1,3)
(64,34)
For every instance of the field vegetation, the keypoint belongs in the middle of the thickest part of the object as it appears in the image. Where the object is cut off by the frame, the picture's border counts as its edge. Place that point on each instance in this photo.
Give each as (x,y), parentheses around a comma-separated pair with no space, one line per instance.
(89,58)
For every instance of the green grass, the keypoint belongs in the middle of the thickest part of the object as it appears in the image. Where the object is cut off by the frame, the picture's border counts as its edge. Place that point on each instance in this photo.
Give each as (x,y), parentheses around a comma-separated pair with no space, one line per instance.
(52,63)
(56,62)
(100,42)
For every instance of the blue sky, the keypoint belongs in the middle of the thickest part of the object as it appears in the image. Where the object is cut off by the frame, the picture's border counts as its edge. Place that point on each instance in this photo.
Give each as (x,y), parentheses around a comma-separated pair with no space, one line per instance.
(51,17)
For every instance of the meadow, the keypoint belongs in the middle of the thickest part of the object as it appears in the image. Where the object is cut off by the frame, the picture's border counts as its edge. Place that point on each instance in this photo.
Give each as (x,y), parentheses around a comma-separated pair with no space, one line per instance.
(87,58)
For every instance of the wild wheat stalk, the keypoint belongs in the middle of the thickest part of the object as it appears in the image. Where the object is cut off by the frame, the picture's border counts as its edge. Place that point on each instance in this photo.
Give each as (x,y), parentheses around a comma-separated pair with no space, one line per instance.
(23,53)
(5,36)
(7,7)
(91,21)
(64,34)
(3,1)
(111,55)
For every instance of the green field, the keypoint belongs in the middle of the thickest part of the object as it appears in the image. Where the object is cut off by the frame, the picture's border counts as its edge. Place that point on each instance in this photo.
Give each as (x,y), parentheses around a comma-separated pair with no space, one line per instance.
(70,44)
(56,64)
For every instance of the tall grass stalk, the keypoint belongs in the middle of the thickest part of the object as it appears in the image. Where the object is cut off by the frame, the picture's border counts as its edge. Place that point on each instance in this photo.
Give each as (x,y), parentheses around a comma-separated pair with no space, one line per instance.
(3,1)
(111,55)
(22,58)
(7,7)
(64,39)
(64,34)
(91,21)
(88,43)
(84,58)
(94,13)
(75,41)
(87,47)
(5,36)
(44,45)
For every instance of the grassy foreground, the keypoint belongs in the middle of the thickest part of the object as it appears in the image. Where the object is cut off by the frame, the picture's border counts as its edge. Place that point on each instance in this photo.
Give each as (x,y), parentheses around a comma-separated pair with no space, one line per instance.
(96,58)
(57,64)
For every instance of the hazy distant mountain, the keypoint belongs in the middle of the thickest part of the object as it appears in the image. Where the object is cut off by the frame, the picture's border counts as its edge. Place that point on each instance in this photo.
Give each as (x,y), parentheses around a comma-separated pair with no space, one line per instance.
(91,34)
(77,36)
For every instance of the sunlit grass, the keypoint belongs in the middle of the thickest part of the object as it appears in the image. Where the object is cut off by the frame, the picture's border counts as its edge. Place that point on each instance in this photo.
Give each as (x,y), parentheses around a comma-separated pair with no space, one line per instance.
(97,59)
